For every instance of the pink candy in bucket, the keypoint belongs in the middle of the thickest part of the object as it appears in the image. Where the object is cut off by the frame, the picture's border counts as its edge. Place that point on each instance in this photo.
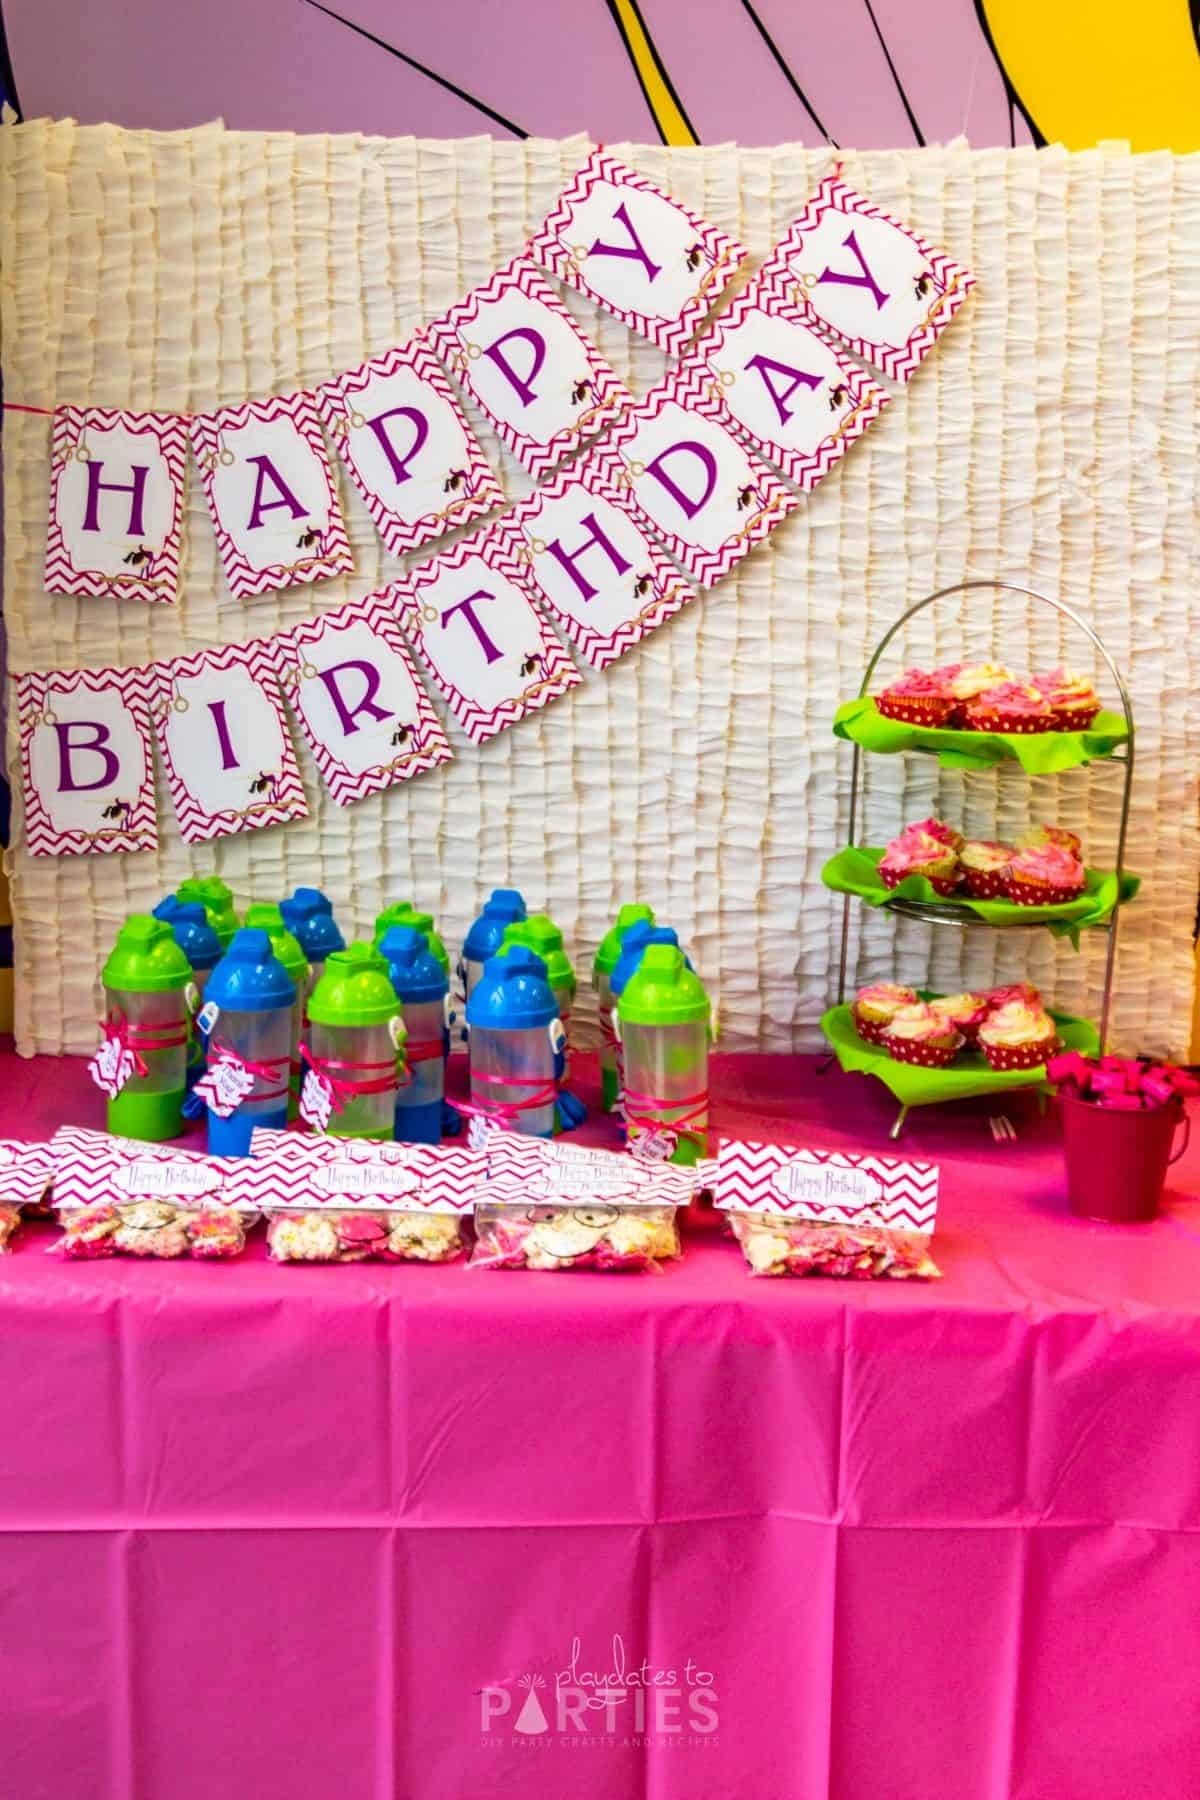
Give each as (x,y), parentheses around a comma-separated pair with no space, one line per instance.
(1121,1119)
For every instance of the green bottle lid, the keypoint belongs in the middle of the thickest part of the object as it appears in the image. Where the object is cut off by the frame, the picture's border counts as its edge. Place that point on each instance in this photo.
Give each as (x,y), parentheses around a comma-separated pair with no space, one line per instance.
(146,959)
(405,913)
(540,934)
(216,899)
(265,916)
(355,989)
(610,943)
(663,991)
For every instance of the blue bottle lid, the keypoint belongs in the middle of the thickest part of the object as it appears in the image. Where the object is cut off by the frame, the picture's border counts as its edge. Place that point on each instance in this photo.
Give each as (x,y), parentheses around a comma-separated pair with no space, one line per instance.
(506,907)
(416,973)
(308,915)
(633,947)
(194,935)
(166,909)
(250,977)
(512,993)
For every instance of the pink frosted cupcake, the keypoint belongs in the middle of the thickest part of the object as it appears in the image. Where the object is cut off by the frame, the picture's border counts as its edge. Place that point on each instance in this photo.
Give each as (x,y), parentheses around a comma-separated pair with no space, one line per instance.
(996,997)
(965,1012)
(1073,700)
(918,1034)
(1046,876)
(1013,708)
(917,698)
(966,681)
(1051,834)
(937,828)
(984,867)
(918,851)
(874,1008)
(1020,1034)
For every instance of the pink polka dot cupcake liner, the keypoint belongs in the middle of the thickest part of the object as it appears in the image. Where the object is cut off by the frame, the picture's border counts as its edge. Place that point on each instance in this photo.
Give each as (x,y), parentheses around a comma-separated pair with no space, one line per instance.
(1039,893)
(1020,1056)
(928,709)
(925,1056)
(985,884)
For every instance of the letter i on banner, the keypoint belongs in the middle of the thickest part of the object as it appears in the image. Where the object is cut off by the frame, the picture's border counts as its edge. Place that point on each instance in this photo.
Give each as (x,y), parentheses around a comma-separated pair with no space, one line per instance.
(272,495)
(409,450)
(784,385)
(677,459)
(516,348)
(86,767)
(470,614)
(602,576)
(350,677)
(230,761)
(116,504)
(859,273)
(636,250)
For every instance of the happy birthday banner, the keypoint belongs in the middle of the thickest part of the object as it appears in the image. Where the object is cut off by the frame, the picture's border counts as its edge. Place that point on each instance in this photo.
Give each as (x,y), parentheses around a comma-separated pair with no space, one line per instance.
(686,478)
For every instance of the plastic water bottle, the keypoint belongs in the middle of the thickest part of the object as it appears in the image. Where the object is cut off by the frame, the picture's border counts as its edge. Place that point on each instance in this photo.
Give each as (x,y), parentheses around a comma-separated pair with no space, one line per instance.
(602,967)
(633,946)
(540,934)
(403,912)
(308,915)
(147,988)
(422,990)
(247,1016)
(663,1019)
(505,908)
(355,1048)
(217,900)
(516,1044)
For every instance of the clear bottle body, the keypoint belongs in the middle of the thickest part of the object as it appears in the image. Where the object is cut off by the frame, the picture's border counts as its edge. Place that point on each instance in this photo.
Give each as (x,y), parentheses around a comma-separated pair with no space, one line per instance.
(361,1114)
(610,1086)
(507,1068)
(150,1106)
(666,1082)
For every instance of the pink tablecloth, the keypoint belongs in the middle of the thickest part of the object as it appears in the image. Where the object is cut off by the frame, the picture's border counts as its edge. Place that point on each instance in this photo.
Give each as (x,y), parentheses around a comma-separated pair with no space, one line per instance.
(363,1533)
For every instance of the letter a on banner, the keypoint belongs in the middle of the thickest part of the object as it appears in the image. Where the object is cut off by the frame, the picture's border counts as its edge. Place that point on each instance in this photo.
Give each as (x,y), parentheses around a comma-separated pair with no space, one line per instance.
(637,251)
(517,349)
(230,761)
(350,677)
(470,614)
(271,494)
(116,504)
(859,273)
(86,768)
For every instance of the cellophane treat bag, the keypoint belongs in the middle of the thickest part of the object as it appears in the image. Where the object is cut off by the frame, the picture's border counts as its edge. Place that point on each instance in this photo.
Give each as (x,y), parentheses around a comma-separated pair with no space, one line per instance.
(552,1206)
(797,1211)
(338,1200)
(119,1196)
(25,1171)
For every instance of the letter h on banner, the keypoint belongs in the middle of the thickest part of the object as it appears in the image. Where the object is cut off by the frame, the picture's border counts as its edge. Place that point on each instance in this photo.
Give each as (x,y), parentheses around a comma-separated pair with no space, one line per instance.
(116,504)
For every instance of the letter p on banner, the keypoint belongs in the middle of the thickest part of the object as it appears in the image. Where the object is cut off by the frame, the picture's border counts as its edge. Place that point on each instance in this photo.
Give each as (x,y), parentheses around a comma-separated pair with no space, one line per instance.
(86,767)
(116,504)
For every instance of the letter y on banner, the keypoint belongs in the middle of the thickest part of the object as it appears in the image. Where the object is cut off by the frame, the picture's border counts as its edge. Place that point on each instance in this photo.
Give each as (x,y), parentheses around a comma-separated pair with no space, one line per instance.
(86,768)
(230,761)
(116,503)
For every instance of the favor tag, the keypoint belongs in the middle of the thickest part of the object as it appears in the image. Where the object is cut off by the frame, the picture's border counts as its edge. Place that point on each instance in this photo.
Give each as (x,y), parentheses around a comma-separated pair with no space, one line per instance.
(316,1101)
(470,614)
(87,773)
(224,1085)
(857,272)
(516,348)
(113,1067)
(116,504)
(656,1144)
(678,460)
(636,250)
(407,446)
(827,1187)
(598,572)
(784,386)
(287,1171)
(91,1166)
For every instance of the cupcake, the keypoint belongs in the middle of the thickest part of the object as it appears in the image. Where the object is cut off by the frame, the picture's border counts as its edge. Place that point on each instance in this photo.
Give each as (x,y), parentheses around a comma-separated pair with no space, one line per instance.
(984,867)
(936,828)
(874,1008)
(996,997)
(918,1034)
(918,851)
(965,1012)
(966,681)
(1051,834)
(917,698)
(1020,1034)
(1072,699)
(1045,876)
(1011,708)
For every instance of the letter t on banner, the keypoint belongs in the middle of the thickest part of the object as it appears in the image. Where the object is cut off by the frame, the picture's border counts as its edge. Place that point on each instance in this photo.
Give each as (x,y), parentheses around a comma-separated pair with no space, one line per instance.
(87,772)
(116,502)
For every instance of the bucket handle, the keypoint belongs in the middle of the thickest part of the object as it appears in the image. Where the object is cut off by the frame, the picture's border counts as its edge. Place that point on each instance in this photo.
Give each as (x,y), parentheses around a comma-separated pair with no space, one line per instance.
(1187,1136)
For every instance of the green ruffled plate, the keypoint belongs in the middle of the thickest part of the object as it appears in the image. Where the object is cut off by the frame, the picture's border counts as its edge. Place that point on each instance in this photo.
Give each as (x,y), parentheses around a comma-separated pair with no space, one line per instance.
(856,871)
(967,1077)
(1039,752)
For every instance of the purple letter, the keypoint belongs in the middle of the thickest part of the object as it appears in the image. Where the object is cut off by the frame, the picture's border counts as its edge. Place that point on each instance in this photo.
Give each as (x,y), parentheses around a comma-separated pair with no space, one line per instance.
(467,607)
(690,507)
(866,279)
(636,251)
(67,783)
(762,363)
(228,759)
(136,487)
(286,497)
(522,388)
(567,559)
(420,425)
(348,715)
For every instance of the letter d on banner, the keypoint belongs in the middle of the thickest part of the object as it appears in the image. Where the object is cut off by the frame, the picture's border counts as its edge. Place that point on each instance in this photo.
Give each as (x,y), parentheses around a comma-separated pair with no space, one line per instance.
(85,762)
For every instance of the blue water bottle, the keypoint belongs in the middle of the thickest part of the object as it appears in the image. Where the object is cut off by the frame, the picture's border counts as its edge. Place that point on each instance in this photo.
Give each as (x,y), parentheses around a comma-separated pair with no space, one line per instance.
(202,947)
(247,1018)
(421,985)
(518,1047)
(505,907)
(308,915)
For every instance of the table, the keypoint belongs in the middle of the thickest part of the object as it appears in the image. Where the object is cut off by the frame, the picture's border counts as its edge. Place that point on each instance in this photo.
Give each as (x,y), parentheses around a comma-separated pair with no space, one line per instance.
(287,1533)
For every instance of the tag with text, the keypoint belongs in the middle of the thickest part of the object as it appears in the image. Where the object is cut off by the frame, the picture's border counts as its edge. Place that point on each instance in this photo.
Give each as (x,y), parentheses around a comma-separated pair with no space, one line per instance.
(288,1170)
(86,766)
(827,1187)
(116,504)
(92,1166)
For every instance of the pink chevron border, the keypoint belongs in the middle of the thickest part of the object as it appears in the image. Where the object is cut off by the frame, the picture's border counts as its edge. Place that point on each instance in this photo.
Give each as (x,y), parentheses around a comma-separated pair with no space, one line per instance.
(558,674)
(333,399)
(610,397)
(335,558)
(196,823)
(429,746)
(71,424)
(691,389)
(91,1165)
(863,403)
(524,1170)
(283,1172)
(952,279)
(139,830)
(25,1171)
(903,1195)
(669,592)
(551,246)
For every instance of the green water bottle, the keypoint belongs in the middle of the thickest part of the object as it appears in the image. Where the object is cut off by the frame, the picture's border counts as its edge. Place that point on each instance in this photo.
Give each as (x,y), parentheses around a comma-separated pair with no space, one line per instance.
(403,912)
(355,1047)
(217,900)
(664,1021)
(142,1063)
(602,968)
(264,916)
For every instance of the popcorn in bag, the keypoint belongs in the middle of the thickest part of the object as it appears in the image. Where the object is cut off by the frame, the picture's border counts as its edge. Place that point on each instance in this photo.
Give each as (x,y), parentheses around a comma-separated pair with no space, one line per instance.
(118,1196)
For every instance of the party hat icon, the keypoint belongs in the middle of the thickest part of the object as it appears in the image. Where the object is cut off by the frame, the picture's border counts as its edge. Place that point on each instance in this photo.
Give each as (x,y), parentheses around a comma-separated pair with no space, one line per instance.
(531,1720)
